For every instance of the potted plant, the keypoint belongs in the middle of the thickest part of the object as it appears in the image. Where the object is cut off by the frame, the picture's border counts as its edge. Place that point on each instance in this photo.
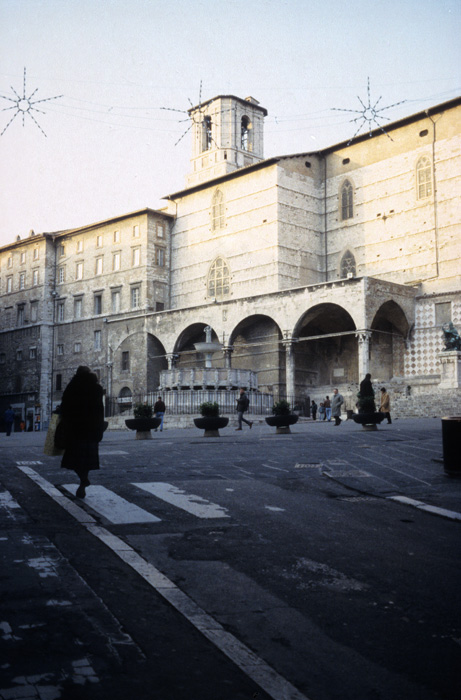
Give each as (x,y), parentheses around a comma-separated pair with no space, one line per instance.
(210,421)
(282,417)
(368,417)
(142,421)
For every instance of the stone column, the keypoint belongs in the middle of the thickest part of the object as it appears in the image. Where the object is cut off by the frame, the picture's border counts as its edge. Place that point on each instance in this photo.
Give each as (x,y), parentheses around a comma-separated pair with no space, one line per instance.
(171,359)
(450,366)
(363,338)
(227,351)
(288,344)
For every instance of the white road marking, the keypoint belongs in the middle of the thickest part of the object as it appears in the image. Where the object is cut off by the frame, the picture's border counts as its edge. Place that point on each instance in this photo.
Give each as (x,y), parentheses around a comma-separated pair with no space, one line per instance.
(7,501)
(276,687)
(113,507)
(27,463)
(196,505)
(276,468)
(450,514)
(112,452)
(275,509)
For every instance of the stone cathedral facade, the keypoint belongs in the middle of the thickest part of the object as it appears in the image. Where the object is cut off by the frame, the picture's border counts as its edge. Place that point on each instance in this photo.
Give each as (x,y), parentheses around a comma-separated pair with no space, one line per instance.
(305,271)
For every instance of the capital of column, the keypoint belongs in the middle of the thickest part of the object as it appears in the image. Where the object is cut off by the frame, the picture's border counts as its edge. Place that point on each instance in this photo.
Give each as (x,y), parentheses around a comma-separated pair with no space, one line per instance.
(363,336)
(171,359)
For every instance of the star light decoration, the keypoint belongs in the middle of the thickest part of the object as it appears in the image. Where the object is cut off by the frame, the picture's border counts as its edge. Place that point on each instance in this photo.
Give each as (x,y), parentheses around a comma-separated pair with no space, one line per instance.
(369,114)
(197,117)
(25,105)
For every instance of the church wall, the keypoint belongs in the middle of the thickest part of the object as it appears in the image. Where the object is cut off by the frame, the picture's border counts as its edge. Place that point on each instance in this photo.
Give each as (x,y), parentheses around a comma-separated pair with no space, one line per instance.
(300,221)
(392,233)
(247,241)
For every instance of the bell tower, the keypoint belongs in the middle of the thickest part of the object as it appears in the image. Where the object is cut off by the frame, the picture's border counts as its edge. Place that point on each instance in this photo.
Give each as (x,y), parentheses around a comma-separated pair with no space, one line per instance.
(227,134)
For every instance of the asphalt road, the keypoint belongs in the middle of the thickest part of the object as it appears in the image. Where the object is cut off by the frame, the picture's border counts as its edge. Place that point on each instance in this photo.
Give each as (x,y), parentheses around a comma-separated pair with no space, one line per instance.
(249,566)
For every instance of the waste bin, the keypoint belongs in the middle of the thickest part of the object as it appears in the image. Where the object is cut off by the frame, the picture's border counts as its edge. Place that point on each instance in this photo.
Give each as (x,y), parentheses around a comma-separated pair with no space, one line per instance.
(451,439)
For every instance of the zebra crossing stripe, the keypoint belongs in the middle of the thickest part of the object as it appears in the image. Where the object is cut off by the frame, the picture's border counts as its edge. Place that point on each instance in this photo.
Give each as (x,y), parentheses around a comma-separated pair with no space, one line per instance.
(276,687)
(113,507)
(196,505)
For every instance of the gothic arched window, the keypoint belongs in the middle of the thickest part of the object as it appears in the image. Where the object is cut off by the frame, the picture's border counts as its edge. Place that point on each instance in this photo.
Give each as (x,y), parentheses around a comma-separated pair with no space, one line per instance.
(217,211)
(347,201)
(218,284)
(424,177)
(347,267)
(245,134)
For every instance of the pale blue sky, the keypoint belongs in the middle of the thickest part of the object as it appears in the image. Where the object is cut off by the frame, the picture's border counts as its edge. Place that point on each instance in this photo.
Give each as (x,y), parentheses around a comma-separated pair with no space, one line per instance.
(110,148)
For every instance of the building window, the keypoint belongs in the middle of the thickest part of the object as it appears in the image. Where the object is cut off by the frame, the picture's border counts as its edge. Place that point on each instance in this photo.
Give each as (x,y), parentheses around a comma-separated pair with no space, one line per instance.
(78,306)
(23,257)
(347,199)
(347,267)
(160,257)
(2,358)
(135,297)
(33,312)
(424,177)
(218,279)
(125,360)
(136,231)
(35,253)
(80,246)
(32,353)
(206,134)
(245,134)
(217,211)
(20,315)
(9,284)
(116,261)
(60,349)
(22,280)
(60,311)
(442,313)
(98,241)
(98,266)
(35,278)
(116,236)
(9,262)
(61,275)
(77,346)
(58,382)
(62,251)
(116,299)
(159,306)
(79,271)
(97,340)
(160,229)
(136,257)
(19,355)
(97,304)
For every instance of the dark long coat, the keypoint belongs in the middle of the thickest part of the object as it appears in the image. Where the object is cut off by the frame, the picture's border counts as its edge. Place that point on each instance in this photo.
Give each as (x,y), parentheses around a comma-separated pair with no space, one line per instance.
(82,414)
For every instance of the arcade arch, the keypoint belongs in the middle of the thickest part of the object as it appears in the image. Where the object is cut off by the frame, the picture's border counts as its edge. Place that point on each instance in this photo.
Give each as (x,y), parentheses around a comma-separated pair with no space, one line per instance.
(328,360)
(256,345)
(387,344)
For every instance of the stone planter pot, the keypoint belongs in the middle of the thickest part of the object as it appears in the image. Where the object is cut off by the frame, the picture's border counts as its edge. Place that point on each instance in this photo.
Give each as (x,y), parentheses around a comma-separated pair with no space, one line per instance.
(143,426)
(368,421)
(282,423)
(211,425)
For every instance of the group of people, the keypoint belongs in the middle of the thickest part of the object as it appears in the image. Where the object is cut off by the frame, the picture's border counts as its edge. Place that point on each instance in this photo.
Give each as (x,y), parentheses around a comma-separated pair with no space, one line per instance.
(329,409)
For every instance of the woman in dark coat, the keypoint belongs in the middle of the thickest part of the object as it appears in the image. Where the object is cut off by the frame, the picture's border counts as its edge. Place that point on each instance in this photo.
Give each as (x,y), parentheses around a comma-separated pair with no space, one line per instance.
(82,416)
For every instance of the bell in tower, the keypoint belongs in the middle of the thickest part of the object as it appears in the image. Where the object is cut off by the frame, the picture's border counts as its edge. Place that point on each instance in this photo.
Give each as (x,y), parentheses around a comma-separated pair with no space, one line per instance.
(227,133)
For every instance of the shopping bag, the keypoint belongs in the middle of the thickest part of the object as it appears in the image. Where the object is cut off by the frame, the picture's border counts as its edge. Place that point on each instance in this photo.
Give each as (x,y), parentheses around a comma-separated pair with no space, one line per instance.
(49,447)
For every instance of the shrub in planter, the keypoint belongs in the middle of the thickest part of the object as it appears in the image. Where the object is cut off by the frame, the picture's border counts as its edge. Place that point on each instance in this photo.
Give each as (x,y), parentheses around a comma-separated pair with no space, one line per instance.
(282,417)
(142,410)
(209,409)
(211,421)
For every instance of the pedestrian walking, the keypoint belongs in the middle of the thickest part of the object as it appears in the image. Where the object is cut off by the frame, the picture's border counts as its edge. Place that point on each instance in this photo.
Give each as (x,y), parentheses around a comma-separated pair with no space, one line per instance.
(336,404)
(159,410)
(82,425)
(9,419)
(327,404)
(385,406)
(321,411)
(314,410)
(242,406)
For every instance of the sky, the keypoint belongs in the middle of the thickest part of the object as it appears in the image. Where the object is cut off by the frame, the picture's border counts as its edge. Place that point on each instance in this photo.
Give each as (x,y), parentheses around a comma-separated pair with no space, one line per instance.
(119,68)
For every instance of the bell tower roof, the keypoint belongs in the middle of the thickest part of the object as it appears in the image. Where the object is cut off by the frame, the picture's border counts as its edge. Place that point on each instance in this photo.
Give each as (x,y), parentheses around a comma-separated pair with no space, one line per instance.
(227,134)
